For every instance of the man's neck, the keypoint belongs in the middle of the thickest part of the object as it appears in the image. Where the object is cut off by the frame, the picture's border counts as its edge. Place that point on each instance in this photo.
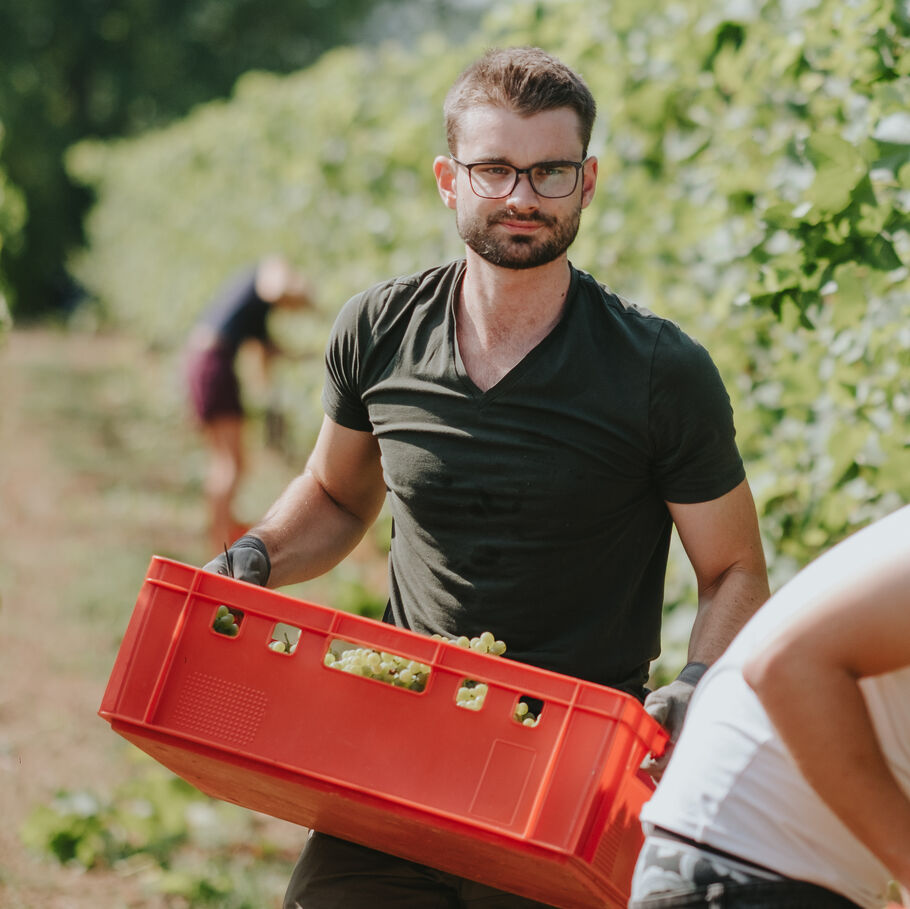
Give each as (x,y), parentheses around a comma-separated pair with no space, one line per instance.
(504,313)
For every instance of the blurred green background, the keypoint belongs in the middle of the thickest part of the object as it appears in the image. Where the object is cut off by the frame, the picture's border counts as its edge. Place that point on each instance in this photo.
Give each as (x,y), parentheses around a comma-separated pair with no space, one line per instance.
(754,186)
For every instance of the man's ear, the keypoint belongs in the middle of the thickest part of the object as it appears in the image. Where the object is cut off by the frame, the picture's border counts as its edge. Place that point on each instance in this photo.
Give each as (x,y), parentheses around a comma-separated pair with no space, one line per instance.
(589,181)
(446,172)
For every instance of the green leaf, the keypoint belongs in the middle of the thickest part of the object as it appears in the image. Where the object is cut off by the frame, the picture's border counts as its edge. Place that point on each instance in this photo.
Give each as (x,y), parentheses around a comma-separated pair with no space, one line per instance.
(838,169)
(879,252)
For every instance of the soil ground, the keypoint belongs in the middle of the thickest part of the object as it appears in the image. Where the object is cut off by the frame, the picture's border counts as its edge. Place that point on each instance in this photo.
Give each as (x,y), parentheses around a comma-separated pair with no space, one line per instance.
(98,471)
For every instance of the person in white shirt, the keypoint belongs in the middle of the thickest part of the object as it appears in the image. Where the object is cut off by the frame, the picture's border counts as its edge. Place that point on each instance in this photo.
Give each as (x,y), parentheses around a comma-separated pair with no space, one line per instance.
(790,783)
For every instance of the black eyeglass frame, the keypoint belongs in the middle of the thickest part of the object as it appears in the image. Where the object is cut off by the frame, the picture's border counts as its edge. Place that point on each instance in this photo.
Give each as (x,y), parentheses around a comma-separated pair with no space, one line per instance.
(578,165)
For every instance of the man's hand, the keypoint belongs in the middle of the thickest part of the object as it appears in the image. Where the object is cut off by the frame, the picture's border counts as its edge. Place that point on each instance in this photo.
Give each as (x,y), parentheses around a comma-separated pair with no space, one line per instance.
(246,560)
(668,705)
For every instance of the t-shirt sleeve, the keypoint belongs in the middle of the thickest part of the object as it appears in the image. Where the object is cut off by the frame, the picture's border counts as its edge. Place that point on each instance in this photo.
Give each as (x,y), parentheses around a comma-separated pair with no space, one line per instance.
(341,398)
(691,422)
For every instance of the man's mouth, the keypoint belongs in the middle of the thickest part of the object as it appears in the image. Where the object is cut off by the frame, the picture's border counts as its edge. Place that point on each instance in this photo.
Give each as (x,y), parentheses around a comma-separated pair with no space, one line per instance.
(520,222)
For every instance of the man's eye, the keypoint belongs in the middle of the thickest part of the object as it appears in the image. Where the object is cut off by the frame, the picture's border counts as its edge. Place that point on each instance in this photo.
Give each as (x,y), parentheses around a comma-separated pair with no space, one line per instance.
(550,170)
(493,170)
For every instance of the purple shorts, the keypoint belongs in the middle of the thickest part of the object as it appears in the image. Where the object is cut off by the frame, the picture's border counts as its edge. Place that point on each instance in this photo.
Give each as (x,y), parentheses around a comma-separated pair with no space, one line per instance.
(213,386)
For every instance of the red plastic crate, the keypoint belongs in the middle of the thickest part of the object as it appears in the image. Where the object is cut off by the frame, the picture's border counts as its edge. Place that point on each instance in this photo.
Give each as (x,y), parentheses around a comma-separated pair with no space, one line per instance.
(547,811)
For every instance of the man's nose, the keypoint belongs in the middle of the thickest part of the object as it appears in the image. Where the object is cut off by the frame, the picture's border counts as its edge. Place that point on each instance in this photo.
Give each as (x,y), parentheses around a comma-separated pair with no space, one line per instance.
(523,194)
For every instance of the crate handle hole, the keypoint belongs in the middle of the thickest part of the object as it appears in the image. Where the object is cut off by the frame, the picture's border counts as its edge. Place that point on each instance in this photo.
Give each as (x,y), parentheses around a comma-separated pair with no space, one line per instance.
(391,668)
(227,621)
(528,710)
(470,694)
(284,638)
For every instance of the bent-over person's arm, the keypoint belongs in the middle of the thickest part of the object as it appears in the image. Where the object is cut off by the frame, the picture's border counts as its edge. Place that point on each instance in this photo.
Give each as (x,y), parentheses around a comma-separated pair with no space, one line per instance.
(807,679)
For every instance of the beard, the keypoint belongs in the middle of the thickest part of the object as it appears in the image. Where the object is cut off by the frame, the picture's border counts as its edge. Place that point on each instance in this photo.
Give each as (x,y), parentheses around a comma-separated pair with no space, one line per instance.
(519,251)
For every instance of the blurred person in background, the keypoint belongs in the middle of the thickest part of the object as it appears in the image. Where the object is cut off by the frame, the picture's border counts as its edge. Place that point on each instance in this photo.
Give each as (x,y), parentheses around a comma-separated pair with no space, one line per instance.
(237,316)
(537,438)
(790,784)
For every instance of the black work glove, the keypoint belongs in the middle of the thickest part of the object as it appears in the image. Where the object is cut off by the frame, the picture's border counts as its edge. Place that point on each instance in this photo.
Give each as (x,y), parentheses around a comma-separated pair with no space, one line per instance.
(668,705)
(247,559)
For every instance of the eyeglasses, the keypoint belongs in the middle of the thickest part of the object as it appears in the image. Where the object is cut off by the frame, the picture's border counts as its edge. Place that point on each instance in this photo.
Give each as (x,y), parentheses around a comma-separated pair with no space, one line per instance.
(550,179)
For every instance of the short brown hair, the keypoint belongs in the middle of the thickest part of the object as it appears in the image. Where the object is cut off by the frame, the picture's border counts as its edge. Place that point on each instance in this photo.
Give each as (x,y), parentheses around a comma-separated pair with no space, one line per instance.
(526,80)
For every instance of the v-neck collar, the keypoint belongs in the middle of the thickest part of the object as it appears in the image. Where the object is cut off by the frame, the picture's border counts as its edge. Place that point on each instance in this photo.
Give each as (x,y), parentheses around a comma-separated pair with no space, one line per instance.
(515,373)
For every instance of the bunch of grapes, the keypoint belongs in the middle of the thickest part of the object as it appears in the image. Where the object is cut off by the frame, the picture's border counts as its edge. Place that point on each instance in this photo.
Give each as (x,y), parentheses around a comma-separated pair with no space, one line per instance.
(483,643)
(225,623)
(524,716)
(283,644)
(377,664)
(404,672)
(471,694)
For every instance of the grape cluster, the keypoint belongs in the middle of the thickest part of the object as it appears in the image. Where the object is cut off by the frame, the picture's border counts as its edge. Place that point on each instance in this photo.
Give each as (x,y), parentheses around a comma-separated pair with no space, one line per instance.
(283,644)
(524,716)
(377,664)
(406,673)
(225,623)
(471,694)
(484,643)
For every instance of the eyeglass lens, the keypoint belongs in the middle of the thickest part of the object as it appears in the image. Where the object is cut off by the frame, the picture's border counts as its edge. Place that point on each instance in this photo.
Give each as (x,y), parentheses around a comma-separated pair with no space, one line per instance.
(552,181)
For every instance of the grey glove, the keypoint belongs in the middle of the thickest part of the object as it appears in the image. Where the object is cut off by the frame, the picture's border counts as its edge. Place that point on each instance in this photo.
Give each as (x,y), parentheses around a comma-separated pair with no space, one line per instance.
(668,705)
(246,560)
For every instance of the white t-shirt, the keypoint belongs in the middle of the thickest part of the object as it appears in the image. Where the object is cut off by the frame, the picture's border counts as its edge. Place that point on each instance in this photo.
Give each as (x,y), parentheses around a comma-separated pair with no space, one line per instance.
(731,783)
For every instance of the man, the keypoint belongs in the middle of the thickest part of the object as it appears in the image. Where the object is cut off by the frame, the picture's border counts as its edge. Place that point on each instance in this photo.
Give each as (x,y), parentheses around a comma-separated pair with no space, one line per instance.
(237,316)
(790,784)
(536,437)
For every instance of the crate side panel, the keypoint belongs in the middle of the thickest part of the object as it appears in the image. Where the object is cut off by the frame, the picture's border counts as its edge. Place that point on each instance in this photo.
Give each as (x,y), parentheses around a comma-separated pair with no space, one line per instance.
(508,864)
(143,650)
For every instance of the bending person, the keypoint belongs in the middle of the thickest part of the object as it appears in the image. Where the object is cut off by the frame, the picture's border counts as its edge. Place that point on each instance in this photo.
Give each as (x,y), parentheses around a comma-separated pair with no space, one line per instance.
(237,316)
(790,783)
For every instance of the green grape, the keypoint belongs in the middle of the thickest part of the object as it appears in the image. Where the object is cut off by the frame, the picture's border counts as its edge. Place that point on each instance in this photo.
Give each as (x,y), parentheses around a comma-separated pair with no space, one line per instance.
(225,624)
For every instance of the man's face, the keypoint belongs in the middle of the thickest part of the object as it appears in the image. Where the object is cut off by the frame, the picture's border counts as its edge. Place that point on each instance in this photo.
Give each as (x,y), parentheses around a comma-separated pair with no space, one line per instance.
(523,229)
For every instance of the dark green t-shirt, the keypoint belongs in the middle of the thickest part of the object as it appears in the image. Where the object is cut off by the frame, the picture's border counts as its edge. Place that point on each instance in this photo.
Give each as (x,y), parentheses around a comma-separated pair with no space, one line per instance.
(536,509)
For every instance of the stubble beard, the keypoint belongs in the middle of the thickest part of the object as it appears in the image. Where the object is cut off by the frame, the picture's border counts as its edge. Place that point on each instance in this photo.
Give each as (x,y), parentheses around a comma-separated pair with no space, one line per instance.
(519,251)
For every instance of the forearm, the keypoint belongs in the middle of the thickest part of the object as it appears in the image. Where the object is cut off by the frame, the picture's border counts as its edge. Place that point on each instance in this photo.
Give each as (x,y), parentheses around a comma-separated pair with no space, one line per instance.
(307,532)
(724,608)
(721,538)
(829,733)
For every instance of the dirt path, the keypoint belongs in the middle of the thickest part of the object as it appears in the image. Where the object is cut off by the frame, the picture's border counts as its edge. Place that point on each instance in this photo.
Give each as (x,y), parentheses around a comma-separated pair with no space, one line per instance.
(87,494)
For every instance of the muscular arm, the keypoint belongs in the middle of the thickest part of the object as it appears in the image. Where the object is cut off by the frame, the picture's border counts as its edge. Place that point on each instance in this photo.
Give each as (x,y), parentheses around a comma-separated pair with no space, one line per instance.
(721,539)
(863,630)
(325,511)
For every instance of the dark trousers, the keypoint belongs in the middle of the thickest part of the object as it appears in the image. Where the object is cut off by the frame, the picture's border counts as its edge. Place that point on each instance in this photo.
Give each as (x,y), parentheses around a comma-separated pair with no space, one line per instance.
(784,894)
(335,874)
